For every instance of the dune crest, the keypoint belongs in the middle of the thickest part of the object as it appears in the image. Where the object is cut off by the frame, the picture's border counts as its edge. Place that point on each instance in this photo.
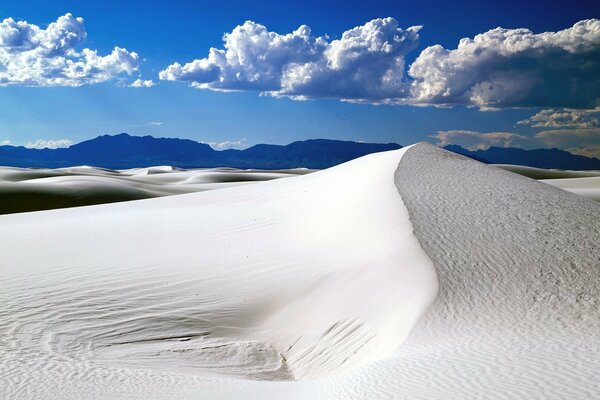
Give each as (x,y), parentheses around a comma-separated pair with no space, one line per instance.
(292,279)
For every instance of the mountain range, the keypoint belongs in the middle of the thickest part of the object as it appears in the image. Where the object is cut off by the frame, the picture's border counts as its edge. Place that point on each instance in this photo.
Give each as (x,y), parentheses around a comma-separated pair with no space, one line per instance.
(126,151)
(539,158)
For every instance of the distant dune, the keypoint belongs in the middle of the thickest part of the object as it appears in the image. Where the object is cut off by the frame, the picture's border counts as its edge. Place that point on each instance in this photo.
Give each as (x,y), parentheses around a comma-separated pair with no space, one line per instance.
(409,274)
(23,189)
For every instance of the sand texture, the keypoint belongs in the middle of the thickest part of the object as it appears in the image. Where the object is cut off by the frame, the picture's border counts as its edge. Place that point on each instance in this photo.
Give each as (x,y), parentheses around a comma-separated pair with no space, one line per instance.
(28,189)
(410,274)
(518,312)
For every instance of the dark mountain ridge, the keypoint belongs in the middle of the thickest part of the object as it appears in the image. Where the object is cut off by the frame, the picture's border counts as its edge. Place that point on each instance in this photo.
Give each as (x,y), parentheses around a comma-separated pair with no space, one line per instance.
(126,151)
(539,158)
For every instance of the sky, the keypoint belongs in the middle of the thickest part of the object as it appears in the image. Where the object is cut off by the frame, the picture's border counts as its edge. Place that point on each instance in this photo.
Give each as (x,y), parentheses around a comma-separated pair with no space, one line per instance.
(238,73)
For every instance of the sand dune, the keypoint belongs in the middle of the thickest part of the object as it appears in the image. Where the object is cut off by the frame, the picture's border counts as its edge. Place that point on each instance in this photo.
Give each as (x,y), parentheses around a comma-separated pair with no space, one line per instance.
(24,189)
(540,173)
(269,282)
(517,315)
(587,187)
(411,274)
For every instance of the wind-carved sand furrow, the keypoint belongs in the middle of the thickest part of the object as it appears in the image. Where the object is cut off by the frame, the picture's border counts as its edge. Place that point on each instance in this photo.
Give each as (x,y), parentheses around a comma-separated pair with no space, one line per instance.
(517,315)
(217,292)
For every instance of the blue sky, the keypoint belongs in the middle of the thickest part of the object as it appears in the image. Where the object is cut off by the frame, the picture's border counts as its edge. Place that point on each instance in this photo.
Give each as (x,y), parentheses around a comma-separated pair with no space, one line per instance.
(522,95)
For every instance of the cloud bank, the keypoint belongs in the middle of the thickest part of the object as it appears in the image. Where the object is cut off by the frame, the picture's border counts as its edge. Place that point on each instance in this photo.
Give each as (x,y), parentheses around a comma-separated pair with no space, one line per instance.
(228,144)
(513,68)
(50,144)
(577,131)
(498,68)
(581,119)
(140,83)
(33,56)
(472,140)
(366,64)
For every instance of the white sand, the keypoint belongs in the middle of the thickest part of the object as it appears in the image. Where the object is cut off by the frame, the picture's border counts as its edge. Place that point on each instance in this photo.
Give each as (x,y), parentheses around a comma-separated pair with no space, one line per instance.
(518,261)
(540,173)
(586,187)
(25,189)
(219,295)
(310,288)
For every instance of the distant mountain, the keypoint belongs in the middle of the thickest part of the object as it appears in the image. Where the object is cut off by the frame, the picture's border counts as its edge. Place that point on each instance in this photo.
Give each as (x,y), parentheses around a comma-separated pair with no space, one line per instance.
(539,158)
(126,151)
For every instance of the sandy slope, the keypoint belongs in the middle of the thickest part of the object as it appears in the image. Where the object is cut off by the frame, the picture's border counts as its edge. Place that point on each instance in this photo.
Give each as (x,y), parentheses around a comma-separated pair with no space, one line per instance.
(191,295)
(304,288)
(25,189)
(518,313)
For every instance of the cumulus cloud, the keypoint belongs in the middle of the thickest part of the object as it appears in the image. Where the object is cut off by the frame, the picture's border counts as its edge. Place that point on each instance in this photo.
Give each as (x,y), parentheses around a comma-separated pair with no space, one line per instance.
(365,64)
(50,144)
(139,83)
(228,144)
(33,56)
(513,68)
(476,140)
(564,119)
(496,69)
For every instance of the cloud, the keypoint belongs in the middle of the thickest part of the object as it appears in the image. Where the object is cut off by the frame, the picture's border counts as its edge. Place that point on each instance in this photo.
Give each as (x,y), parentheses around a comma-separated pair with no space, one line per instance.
(592,150)
(513,68)
(476,140)
(365,64)
(51,144)
(570,137)
(564,119)
(496,69)
(578,131)
(228,144)
(139,83)
(156,123)
(585,141)
(33,56)
(5,142)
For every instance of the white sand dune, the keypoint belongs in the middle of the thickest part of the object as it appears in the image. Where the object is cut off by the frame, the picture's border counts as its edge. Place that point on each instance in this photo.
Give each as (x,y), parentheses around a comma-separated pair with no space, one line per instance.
(270,282)
(518,261)
(587,186)
(411,274)
(25,189)
(540,173)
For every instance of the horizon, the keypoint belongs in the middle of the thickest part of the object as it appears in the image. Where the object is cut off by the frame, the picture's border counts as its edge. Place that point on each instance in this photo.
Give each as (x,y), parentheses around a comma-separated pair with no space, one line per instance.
(215,147)
(522,75)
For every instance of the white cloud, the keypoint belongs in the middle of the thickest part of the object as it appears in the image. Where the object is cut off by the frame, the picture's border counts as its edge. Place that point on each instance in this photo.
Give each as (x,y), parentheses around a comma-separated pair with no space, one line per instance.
(512,68)
(478,141)
(228,144)
(592,150)
(5,142)
(570,137)
(156,123)
(33,56)
(564,119)
(496,69)
(584,141)
(366,64)
(139,83)
(51,144)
